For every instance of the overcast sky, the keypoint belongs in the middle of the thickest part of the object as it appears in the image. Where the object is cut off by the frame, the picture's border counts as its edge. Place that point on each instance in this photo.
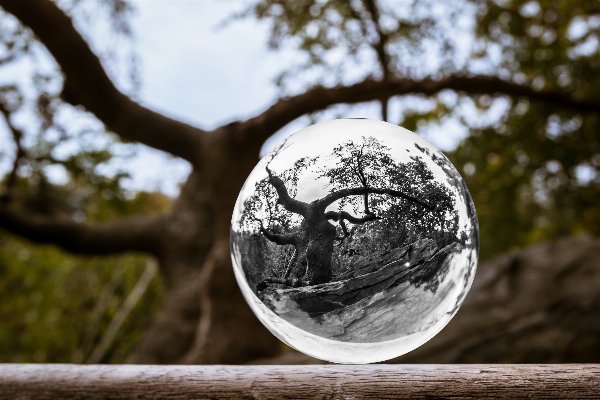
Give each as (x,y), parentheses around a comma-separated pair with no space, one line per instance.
(203,74)
(195,71)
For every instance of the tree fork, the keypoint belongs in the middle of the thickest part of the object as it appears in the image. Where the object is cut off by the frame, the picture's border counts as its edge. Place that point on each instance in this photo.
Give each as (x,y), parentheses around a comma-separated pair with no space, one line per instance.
(87,84)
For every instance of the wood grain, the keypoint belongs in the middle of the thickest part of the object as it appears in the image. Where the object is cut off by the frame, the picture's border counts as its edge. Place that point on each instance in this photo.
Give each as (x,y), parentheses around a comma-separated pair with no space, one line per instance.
(44,381)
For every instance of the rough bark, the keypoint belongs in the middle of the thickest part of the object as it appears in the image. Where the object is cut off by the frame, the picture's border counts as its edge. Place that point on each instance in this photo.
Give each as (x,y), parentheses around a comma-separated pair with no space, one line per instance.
(577,381)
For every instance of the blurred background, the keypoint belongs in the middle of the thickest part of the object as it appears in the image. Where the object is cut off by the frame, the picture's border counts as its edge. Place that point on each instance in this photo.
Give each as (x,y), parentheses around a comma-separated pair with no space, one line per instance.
(521,122)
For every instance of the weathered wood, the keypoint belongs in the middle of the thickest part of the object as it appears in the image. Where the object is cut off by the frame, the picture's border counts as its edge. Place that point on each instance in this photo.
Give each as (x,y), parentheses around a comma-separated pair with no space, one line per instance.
(44,381)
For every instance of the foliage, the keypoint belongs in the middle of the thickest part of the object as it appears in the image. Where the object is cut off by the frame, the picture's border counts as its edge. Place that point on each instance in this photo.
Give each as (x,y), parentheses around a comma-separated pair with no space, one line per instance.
(338,37)
(274,250)
(534,172)
(55,307)
(532,168)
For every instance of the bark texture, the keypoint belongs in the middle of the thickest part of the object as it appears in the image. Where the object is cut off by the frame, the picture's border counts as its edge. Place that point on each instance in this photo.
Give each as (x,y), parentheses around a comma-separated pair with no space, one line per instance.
(576,381)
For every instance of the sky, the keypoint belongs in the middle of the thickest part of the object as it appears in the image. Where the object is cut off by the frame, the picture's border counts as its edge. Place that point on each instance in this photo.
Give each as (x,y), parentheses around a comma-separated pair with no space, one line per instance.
(194,69)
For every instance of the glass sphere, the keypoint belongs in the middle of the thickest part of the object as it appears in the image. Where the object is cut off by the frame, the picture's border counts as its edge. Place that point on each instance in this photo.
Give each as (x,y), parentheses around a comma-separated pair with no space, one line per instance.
(354,241)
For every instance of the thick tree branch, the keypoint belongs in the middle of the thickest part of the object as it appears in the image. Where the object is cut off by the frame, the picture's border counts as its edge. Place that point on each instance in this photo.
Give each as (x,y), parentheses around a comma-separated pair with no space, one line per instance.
(287,201)
(87,84)
(279,239)
(343,215)
(128,234)
(286,110)
(332,197)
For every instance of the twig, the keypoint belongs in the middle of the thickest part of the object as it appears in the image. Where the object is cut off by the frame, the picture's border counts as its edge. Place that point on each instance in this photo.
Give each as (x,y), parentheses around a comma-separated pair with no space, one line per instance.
(17,135)
(99,310)
(382,56)
(128,305)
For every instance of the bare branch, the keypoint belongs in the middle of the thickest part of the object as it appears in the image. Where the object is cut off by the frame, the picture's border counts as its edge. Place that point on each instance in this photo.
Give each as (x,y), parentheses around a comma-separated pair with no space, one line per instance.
(17,135)
(343,215)
(87,84)
(123,313)
(288,202)
(382,56)
(93,324)
(277,238)
(128,234)
(286,110)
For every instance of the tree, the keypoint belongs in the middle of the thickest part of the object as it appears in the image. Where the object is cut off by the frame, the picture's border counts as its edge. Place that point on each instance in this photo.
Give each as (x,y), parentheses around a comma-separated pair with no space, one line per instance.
(539,61)
(358,169)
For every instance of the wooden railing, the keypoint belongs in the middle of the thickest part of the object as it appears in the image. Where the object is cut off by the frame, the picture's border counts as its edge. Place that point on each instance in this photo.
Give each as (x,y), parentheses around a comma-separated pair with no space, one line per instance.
(61,381)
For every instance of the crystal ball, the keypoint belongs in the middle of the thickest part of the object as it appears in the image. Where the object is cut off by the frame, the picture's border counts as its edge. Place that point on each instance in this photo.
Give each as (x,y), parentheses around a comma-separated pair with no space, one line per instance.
(354,241)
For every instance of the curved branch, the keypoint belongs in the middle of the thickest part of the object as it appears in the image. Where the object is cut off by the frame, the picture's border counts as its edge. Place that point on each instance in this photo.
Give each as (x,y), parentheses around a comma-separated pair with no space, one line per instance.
(288,109)
(87,84)
(276,238)
(343,215)
(128,234)
(332,197)
(287,201)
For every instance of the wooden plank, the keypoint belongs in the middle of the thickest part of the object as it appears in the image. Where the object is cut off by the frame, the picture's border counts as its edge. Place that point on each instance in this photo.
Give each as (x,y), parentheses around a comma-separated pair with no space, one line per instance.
(45,381)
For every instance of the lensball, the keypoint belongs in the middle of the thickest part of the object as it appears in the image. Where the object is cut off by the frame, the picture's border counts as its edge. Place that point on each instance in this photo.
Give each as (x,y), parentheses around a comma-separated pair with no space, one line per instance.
(354,241)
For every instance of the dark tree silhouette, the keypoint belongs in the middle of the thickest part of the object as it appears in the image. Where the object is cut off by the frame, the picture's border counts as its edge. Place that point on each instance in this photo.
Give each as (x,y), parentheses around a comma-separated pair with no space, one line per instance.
(365,168)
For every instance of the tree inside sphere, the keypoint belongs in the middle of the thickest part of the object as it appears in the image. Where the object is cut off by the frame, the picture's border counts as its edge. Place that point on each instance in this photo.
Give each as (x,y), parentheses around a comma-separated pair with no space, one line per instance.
(354,241)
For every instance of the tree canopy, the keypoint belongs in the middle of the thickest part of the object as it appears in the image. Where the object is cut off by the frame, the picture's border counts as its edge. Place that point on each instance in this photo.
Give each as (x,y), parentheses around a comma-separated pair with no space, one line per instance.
(398,201)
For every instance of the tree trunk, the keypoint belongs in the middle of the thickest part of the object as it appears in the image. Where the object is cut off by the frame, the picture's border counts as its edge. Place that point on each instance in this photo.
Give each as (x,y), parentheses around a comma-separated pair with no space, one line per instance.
(204,319)
(319,252)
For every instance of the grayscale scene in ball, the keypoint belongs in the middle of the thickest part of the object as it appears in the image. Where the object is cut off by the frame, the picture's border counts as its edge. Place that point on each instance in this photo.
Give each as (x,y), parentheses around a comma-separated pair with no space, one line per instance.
(356,231)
